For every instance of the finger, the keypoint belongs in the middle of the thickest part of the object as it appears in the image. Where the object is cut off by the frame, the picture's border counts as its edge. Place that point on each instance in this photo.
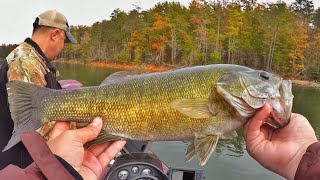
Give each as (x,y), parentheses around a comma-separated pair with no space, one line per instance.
(92,163)
(90,132)
(97,149)
(106,156)
(58,129)
(253,126)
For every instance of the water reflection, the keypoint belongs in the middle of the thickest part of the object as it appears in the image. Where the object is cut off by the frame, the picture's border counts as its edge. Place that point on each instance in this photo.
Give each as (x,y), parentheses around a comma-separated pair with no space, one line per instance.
(307,102)
(232,147)
(87,75)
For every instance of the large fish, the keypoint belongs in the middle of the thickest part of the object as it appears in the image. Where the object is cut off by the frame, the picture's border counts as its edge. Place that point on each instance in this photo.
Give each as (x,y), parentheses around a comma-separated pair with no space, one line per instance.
(197,104)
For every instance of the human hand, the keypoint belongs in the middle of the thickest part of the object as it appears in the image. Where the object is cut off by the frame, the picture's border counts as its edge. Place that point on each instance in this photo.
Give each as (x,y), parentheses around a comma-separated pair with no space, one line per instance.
(68,144)
(279,150)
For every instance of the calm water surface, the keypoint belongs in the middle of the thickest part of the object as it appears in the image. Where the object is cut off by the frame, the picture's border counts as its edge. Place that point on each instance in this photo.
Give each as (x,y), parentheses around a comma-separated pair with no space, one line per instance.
(231,160)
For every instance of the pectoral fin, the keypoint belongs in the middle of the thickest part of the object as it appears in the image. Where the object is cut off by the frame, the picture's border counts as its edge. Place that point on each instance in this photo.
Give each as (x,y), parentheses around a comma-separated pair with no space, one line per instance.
(203,146)
(194,107)
(103,137)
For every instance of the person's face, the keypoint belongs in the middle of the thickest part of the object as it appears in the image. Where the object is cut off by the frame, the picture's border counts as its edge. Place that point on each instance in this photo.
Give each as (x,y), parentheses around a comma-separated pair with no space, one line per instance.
(58,37)
(61,40)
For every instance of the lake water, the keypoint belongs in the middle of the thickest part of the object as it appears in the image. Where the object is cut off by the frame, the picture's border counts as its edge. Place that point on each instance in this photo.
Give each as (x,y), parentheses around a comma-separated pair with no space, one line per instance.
(231,160)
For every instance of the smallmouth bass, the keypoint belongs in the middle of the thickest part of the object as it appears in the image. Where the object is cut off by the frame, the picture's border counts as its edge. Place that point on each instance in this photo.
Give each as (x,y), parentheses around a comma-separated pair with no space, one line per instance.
(198,104)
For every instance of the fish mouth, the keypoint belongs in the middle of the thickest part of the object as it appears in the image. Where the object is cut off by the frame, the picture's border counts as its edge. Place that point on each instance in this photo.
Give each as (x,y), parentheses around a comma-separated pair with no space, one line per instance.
(279,98)
(253,97)
(276,121)
(282,105)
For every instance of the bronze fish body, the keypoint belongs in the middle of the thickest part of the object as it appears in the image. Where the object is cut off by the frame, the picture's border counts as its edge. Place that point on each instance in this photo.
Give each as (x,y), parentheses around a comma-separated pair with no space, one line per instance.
(198,104)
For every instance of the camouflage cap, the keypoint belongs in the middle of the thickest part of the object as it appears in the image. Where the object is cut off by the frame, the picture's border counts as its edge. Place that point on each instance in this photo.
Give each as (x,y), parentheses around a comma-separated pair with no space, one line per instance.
(53,18)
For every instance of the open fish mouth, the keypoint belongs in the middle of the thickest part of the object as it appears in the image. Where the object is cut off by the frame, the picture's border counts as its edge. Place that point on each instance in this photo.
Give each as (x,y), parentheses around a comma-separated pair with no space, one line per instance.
(247,92)
(282,105)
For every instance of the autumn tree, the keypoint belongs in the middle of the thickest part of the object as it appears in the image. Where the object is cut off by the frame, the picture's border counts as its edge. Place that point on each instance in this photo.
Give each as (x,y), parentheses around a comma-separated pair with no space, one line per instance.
(159,36)
(234,24)
(272,36)
(300,44)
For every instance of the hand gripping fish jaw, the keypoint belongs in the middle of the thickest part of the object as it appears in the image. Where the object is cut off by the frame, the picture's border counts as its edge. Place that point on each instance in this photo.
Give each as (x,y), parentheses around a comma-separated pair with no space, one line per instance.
(248,91)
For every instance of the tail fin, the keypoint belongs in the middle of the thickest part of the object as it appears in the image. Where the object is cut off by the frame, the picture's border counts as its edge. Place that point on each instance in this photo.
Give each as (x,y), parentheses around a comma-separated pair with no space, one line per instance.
(24,105)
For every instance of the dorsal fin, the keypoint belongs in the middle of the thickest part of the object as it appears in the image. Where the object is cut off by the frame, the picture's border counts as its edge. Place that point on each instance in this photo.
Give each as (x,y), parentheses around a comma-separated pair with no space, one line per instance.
(119,75)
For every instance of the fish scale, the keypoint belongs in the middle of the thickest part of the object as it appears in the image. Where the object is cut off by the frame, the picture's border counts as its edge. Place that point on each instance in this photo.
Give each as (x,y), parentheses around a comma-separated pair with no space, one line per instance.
(122,102)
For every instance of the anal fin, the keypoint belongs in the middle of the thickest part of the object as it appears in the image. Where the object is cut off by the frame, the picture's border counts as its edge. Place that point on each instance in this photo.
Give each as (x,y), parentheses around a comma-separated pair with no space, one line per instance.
(103,137)
(191,152)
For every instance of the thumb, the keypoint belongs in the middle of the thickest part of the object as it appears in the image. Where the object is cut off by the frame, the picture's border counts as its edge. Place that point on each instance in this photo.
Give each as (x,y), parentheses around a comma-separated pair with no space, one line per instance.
(58,129)
(90,132)
(253,126)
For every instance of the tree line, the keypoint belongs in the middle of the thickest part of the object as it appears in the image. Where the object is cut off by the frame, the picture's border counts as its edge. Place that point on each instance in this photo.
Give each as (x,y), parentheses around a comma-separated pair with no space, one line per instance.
(279,37)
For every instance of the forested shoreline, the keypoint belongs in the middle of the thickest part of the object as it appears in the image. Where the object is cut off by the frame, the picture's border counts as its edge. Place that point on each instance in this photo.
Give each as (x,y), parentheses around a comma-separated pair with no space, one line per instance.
(283,38)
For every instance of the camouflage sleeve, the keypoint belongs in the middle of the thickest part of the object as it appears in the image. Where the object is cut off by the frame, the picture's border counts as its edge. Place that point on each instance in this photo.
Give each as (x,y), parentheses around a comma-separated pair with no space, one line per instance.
(30,70)
(27,70)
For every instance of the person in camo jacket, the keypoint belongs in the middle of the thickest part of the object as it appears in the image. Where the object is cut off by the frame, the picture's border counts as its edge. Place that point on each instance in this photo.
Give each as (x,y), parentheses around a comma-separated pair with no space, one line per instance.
(30,62)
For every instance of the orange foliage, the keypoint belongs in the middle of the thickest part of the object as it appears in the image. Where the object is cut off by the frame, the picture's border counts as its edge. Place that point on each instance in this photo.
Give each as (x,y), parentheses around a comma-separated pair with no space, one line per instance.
(160,22)
(155,46)
(300,43)
(151,68)
(196,20)
(134,39)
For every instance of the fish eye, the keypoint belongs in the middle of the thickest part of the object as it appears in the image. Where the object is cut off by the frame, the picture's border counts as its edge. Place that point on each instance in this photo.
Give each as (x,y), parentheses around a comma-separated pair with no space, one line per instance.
(265,75)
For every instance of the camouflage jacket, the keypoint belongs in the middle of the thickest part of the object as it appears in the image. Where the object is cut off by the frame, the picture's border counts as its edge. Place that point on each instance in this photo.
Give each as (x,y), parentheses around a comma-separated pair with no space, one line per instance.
(26,64)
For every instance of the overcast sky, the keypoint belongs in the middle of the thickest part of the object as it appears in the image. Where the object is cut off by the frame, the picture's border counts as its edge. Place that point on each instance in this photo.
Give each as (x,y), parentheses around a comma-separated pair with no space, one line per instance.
(17,16)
